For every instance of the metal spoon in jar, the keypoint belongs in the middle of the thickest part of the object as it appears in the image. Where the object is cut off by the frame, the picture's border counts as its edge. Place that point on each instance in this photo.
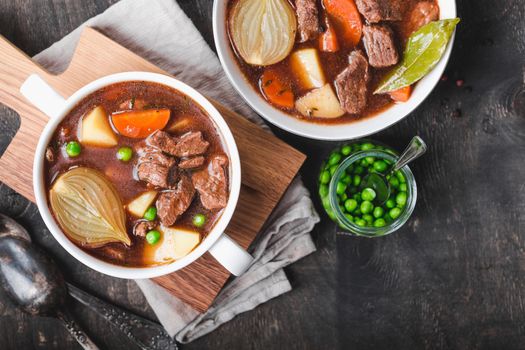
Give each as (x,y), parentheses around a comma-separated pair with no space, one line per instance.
(34,282)
(379,182)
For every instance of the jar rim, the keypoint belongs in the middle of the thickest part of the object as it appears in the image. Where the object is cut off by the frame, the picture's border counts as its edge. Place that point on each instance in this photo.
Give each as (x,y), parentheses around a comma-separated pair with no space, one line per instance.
(372,231)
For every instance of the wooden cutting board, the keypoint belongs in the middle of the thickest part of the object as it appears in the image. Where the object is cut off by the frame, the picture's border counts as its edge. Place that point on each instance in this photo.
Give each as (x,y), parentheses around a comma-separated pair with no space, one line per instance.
(268,164)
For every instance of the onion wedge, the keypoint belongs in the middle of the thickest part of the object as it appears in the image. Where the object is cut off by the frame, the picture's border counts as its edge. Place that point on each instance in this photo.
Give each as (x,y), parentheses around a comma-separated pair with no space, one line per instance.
(263,31)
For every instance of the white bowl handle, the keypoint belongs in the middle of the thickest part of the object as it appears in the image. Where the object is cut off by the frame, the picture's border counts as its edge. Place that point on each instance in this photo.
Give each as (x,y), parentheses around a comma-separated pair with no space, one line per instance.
(230,255)
(43,96)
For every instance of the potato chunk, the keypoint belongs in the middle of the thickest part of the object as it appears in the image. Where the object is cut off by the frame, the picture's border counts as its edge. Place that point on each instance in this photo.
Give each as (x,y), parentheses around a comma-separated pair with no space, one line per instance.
(96,130)
(175,244)
(320,103)
(307,68)
(139,205)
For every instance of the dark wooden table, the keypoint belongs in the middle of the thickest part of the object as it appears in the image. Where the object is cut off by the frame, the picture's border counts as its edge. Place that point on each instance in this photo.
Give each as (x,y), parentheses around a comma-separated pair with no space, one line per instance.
(452,278)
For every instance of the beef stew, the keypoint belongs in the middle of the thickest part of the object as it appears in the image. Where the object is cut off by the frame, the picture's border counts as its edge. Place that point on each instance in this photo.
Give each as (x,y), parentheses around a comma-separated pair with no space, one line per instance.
(155,155)
(322,79)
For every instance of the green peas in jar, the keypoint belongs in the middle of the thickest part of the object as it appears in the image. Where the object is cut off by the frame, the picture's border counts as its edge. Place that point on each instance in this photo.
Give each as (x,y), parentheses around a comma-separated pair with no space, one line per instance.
(355,203)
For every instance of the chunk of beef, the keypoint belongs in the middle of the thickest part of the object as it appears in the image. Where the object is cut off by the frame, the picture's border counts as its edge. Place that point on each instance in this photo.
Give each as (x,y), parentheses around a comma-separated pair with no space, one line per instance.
(156,168)
(423,13)
(380,46)
(308,19)
(191,163)
(173,203)
(211,183)
(189,144)
(380,10)
(351,84)
(143,226)
(163,141)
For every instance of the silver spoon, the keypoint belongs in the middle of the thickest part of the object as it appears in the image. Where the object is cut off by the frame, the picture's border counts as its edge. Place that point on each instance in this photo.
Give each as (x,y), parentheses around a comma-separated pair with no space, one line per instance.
(34,282)
(379,183)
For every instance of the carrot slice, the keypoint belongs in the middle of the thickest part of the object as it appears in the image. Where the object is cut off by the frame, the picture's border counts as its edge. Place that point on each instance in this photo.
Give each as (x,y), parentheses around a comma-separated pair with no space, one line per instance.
(138,124)
(346,18)
(328,40)
(275,90)
(401,95)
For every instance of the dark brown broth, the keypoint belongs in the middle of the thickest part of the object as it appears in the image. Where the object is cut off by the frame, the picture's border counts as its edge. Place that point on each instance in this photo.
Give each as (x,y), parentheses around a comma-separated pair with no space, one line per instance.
(332,64)
(121,173)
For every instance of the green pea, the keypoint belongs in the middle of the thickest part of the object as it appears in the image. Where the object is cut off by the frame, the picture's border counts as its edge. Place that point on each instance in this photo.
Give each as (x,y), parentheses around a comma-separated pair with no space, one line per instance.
(350,205)
(379,223)
(359,170)
(334,159)
(326,203)
(73,149)
(364,162)
(340,188)
(360,222)
(153,236)
(325,177)
(347,179)
(333,169)
(380,166)
(394,213)
(344,197)
(366,207)
(349,217)
(150,214)
(400,177)
(357,197)
(403,187)
(401,199)
(367,146)
(124,154)
(323,190)
(199,220)
(370,160)
(368,218)
(357,180)
(390,203)
(346,150)
(378,212)
(368,194)
(357,212)
(394,182)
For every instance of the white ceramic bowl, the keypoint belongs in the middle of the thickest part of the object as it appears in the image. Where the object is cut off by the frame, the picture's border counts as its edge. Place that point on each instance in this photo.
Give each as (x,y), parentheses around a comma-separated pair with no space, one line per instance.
(334,132)
(225,250)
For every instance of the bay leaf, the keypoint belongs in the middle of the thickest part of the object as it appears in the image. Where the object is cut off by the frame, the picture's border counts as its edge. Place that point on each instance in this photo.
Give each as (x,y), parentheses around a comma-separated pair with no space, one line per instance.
(424,49)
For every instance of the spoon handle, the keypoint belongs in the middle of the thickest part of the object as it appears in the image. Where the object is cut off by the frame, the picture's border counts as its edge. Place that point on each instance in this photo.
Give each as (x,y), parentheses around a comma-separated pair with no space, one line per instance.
(144,333)
(415,149)
(75,330)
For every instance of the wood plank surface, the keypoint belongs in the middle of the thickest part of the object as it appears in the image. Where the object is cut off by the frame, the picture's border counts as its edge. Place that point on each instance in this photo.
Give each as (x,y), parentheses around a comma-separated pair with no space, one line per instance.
(453,278)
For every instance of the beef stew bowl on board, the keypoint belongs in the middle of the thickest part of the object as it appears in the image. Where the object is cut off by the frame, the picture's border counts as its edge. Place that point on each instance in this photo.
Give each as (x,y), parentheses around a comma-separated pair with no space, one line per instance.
(334,69)
(136,175)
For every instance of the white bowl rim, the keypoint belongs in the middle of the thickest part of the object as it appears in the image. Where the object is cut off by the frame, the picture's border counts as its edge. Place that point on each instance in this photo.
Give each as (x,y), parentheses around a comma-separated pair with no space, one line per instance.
(137,272)
(328,132)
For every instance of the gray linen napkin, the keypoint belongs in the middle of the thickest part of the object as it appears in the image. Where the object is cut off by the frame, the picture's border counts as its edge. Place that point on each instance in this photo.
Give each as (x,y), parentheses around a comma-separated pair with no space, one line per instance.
(160,32)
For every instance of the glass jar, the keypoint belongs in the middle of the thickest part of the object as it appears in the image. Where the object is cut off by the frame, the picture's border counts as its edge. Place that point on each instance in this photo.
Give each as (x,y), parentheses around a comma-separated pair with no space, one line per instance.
(362,154)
